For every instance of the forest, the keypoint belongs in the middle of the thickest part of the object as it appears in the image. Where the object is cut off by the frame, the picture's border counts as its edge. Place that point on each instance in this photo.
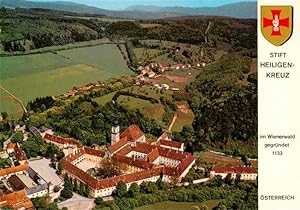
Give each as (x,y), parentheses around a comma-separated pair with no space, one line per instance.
(24,30)
(233,194)
(91,123)
(224,109)
(28,29)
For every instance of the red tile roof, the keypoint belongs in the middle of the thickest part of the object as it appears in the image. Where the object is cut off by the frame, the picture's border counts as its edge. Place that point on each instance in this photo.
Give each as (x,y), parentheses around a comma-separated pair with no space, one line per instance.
(169,171)
(153,151)
(143,147)
(172,154)
(188,160)
(76,155)
(128,178)
(93,152)
(170,143)
(16,200)
(7,171)
(153,155)
(80,174)
(61,140)
(234,169)
(125,150)
(118,145)
(132,133)
(164,136)
(129,161)
(19,153)
(150,141)
(11,146)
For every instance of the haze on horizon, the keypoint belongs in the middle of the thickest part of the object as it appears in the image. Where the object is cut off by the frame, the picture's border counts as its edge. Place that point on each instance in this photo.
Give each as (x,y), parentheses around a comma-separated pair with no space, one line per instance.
(123,4)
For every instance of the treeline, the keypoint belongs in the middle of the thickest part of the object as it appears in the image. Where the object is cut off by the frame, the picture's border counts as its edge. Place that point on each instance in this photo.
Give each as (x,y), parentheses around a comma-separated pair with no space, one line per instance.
(22,31)
(72,185)
(240,33)
(40,104)
(35,146)
(224,109)
(166,31)
(170,109)
(131,55)
(123,82)
(89,122)
(239,196)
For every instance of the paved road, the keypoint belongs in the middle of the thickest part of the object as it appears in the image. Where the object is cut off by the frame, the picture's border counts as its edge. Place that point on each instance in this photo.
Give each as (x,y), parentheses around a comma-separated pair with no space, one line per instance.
(77,202)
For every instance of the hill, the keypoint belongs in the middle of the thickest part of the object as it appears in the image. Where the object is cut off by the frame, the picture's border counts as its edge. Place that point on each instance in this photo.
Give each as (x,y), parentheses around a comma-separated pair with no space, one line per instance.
(225,109)
(239,10)
(83,9)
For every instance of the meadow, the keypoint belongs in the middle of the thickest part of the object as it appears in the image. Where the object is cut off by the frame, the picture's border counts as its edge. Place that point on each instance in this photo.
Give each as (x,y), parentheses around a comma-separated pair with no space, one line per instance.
(184,118)
(9,105)
(145,54)
(31,76)
(171,205)
(152,110)
(156,111)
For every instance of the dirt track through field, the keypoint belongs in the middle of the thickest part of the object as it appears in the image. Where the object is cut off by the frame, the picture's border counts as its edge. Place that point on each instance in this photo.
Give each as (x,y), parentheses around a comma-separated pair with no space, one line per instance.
(18,100)
(173,121)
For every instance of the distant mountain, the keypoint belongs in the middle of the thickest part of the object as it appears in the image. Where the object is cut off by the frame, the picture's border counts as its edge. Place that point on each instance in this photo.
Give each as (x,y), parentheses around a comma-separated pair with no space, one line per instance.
(239,10)
(58,5)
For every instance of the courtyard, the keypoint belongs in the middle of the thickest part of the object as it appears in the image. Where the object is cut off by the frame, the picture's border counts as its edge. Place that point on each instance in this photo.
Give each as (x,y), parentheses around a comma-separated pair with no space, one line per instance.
(85,165)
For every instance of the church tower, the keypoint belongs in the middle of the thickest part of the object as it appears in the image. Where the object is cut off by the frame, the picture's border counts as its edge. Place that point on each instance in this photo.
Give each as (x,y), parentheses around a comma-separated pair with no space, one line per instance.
(115,133)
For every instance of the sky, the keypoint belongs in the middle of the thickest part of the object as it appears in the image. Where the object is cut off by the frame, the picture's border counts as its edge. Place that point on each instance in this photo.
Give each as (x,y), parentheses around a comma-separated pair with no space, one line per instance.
(122,4)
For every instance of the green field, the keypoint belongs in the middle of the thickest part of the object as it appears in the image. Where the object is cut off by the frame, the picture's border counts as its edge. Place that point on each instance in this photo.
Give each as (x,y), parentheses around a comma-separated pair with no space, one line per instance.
(31,76)
(154,111)
(132,102)
(164,59)
(171,205)
(146,91)
(9,105)
(144,54)
(105,99)
(105,57)
(183,119)
(150,92)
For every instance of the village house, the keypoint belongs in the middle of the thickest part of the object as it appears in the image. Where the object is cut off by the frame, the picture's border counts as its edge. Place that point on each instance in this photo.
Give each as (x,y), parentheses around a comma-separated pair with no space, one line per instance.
(35,178)
(15,148)
(20,154)
(151,74)
(145,160)
(165,86)
(25,182)
(5,173)
(245,172)
(70,93)
(10,148)
(16,200)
